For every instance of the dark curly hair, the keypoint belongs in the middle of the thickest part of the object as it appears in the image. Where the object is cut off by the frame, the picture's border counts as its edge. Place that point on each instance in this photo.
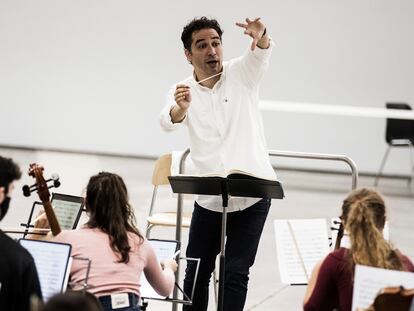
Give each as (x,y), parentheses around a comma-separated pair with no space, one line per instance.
(195,25)
(9,171)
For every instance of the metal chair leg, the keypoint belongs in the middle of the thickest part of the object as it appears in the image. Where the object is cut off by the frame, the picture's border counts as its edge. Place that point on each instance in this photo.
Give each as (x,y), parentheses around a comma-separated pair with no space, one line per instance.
(382,166)
(148,231)
(411,146)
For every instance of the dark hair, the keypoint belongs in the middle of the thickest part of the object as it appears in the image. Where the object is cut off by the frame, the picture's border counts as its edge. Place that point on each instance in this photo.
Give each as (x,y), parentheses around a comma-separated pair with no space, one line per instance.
(109,210)
(195,25)
(9,171)
(73,301)
(363,213)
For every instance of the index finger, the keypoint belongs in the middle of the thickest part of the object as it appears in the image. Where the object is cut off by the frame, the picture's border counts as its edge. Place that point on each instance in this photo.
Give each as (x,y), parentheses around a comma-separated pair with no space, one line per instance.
(241,25)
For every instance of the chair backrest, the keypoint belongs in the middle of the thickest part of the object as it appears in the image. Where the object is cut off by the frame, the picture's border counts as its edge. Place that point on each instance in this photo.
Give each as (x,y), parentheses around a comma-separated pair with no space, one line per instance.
(394,298)
(162,169)
(399,128)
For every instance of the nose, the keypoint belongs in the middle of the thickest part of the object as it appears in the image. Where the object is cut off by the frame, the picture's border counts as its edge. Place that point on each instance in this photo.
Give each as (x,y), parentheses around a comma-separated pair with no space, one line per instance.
(211,50)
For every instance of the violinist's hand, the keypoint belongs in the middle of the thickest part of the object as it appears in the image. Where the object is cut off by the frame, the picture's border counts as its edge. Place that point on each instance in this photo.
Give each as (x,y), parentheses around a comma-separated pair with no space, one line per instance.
(169,264)
(41,221)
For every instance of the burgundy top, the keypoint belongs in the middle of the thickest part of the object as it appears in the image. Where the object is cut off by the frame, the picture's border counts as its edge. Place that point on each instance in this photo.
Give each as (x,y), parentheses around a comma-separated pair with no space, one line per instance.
(334,284)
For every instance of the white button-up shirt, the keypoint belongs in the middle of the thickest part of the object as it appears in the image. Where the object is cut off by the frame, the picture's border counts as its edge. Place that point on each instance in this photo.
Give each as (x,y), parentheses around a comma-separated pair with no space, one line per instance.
(225,125)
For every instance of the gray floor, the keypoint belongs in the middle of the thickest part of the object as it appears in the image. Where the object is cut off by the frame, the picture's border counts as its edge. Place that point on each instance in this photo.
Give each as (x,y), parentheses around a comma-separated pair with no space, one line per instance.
(308,195)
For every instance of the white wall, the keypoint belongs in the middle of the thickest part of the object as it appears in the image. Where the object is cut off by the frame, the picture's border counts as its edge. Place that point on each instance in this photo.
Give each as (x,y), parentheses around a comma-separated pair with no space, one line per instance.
(92,75)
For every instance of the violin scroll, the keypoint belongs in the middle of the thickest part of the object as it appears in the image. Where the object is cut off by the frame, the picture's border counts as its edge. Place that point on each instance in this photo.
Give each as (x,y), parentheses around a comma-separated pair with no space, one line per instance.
(42,188)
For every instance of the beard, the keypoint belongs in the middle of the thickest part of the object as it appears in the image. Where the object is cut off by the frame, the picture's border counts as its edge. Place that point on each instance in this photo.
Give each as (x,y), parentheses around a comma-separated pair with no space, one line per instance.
(4,207)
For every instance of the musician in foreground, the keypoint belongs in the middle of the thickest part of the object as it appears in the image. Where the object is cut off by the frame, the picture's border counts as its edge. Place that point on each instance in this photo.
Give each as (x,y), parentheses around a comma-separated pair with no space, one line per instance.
(118,251)
(18,275)
(331,283)
(219,104)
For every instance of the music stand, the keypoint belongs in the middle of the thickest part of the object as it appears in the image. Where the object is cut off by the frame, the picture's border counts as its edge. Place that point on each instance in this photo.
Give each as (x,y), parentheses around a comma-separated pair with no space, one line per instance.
(235,185)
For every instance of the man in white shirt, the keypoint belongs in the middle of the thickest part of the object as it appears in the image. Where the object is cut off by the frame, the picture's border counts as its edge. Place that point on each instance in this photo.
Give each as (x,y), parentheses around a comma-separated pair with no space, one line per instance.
(219,105)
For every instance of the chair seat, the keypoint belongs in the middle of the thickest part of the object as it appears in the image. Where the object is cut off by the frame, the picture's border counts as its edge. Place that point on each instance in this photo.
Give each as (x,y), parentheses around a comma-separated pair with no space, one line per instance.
(400,142)
(168,219)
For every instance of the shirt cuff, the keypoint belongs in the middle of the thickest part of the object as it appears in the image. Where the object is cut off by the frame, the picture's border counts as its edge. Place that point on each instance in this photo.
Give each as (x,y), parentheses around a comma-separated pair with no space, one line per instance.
(165,120)
(264,53)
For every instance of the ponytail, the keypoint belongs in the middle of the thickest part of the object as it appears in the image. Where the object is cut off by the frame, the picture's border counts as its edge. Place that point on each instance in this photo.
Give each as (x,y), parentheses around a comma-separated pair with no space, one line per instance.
(364,222)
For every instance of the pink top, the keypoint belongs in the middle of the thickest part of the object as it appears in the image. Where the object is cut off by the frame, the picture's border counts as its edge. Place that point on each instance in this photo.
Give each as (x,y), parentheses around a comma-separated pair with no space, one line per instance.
(107,275)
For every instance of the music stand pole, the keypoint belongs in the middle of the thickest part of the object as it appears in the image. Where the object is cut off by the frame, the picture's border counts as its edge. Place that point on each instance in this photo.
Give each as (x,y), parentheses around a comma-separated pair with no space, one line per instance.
(236,186)
(225,197)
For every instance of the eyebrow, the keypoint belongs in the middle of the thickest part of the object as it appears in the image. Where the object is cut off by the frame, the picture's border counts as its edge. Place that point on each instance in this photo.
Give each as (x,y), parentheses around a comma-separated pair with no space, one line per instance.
(200,40)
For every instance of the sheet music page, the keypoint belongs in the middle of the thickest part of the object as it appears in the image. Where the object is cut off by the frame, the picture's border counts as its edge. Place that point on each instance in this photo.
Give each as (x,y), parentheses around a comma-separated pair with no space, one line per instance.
(312,240)
(67,274)
(369,281)
(345,242)
(51,260)
(66,213)
(164,250)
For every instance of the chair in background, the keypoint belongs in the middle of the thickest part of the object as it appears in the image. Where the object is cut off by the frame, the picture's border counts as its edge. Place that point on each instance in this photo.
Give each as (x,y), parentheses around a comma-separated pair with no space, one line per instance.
(394,298)
(162,170)
(398,133)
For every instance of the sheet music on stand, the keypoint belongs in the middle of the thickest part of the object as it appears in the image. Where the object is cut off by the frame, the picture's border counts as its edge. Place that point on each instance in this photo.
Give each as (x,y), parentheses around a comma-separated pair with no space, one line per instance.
(369,281)
(300,244)
(165,249)
(52,262)
(68,209)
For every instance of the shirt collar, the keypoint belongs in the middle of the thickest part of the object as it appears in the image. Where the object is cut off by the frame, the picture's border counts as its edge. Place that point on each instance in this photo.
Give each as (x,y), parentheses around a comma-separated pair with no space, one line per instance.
(222,78)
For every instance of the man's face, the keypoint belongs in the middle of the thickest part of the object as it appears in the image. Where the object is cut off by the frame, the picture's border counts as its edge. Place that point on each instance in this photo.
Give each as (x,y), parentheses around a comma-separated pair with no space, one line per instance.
(206,53)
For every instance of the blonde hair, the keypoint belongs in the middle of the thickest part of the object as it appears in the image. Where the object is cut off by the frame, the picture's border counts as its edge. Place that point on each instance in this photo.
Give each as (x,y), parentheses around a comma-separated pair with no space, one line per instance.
(363,213)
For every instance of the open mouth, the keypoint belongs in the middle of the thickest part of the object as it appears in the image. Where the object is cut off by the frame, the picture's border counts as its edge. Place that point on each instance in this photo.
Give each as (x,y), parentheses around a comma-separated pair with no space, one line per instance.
(212,62)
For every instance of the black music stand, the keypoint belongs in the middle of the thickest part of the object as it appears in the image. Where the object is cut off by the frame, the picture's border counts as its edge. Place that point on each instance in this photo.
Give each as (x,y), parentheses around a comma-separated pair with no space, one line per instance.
(237,185)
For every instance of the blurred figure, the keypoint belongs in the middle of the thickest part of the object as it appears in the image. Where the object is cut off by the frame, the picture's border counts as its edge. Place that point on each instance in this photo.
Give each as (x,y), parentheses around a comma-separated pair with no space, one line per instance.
(331,283)
(71,301)
(18,275)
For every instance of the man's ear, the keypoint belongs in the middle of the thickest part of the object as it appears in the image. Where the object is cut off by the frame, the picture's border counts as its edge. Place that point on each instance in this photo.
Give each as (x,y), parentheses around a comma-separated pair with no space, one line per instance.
(188,55)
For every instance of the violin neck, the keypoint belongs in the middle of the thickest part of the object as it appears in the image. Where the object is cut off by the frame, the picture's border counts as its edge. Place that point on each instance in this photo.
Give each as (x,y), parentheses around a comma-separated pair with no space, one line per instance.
(51,217)
(339,237)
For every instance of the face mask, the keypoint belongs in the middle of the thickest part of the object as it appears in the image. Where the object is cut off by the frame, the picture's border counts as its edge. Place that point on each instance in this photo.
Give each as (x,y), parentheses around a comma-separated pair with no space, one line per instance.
(4,207)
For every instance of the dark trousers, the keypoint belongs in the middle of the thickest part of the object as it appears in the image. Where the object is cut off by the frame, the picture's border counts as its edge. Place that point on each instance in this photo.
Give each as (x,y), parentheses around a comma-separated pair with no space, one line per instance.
(244,229)
(133,303)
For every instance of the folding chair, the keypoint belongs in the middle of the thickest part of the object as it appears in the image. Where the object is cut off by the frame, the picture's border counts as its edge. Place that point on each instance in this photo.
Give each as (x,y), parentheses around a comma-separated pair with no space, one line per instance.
(398,133)
(162,170)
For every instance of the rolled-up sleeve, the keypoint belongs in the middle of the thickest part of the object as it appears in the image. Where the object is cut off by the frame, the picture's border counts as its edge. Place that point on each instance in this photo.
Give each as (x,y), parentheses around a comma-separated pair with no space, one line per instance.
(253,65)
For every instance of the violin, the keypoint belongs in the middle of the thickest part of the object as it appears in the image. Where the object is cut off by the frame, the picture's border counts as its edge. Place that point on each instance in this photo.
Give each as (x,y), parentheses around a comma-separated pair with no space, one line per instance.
(36,171)
(340,234)
(394,298)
